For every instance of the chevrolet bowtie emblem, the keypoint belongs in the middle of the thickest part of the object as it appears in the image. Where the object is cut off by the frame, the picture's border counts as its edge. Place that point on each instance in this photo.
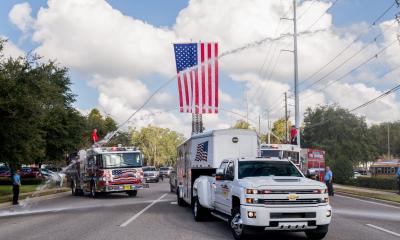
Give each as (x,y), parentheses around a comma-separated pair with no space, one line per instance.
(293,197)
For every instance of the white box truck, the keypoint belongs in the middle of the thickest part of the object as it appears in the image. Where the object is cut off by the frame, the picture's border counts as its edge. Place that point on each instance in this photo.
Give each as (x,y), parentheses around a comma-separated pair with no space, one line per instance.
(203,153)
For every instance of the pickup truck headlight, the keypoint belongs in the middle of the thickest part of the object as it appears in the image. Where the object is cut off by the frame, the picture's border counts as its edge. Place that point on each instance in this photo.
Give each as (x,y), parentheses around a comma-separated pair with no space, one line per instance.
(251,191)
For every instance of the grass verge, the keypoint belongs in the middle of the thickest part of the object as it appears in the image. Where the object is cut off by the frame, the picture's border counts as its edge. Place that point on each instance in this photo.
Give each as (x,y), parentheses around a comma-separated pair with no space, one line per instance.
(26,191)
(386,197)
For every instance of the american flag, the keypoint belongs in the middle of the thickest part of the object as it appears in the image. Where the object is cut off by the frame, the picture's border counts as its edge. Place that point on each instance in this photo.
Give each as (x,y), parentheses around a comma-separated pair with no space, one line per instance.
(197,73)
(202,152)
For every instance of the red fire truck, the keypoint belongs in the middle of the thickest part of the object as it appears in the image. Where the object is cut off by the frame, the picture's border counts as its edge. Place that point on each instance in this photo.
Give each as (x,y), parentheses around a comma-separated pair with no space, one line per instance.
(313,163)
(106,170)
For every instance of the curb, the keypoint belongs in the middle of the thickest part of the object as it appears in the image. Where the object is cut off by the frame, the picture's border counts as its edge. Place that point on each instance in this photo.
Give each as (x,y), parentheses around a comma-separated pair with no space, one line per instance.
(396,204)
(57,194)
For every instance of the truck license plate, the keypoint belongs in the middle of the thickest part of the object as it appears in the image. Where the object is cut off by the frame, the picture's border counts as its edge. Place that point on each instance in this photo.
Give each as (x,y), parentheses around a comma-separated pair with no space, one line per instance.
(127,187)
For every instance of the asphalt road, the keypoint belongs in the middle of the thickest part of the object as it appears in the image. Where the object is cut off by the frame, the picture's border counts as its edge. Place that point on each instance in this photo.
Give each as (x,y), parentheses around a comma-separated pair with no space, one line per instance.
(153,214)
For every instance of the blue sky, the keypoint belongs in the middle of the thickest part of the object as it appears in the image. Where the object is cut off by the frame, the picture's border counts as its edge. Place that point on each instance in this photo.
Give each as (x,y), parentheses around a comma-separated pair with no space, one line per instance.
(161,13)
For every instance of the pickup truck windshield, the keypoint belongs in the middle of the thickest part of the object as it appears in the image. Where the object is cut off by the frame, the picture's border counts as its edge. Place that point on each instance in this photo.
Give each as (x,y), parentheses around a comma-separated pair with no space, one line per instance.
(149,169)
(267,168)
(113,160)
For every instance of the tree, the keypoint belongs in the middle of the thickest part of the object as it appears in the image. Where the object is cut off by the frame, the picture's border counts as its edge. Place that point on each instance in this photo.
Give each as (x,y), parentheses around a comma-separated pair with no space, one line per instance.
(103,125)
(38,122)
(379,136)
(279,130)
(241,124)
(157,144)
(343,136)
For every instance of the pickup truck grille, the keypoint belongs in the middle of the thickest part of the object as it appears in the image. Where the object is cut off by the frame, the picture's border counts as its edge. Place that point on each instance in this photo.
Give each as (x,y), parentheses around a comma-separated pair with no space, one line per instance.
(293,191)
(290,202)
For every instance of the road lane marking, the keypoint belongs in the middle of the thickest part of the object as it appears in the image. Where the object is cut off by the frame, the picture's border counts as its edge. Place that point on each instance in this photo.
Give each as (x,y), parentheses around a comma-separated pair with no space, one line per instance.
(367,201)
(142,211)
(174,203)
(383,230)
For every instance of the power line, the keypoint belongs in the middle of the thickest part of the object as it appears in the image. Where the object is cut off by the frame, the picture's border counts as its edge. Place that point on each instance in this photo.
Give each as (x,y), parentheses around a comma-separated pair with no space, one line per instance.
(319,18)
(345,61)
(349,45)
(356,68)
(377,98)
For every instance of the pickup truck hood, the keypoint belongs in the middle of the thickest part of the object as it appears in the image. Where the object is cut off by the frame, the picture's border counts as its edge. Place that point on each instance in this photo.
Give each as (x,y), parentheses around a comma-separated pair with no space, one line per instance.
(277,182)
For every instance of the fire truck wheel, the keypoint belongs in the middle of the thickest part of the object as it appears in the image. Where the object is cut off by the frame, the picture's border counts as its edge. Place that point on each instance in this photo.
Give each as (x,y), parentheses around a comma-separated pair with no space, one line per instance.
(92,190)
(180,201)
(132,193)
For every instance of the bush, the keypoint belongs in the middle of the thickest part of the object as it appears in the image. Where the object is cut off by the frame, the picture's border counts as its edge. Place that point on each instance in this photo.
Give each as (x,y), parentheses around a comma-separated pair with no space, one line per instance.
(375,182)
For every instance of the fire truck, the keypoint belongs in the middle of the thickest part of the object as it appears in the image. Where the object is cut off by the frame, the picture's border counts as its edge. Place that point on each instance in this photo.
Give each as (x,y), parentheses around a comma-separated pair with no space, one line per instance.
(106,170)
(282,151)
(313,163)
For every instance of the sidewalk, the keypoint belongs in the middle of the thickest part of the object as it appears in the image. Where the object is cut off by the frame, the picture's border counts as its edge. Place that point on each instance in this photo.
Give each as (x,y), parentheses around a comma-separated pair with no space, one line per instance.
(379,194)
(5,201)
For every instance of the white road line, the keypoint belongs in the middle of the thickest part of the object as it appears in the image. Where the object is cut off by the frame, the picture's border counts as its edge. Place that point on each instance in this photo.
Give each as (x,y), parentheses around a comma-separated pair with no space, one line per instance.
(143,210)
(367,201)
(174,203)
(384,230)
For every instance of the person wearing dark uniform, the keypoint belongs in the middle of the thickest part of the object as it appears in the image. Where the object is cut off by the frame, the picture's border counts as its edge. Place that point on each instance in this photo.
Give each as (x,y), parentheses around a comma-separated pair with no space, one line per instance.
(16,185)
(398,178)
(328,181)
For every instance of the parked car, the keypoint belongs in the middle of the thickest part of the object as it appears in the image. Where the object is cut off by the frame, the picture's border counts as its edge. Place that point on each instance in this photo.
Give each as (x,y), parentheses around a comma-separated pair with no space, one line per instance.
(151,174)
(357,175)
(5,173)
(166,171)
(173,181)
(30,173)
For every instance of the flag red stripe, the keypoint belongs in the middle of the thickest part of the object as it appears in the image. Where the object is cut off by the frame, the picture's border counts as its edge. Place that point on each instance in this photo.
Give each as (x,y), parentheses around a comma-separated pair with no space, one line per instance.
(191,88)
(196,87)
(216,75)
(209,78)
(203,79)
(180,93)
(186,91)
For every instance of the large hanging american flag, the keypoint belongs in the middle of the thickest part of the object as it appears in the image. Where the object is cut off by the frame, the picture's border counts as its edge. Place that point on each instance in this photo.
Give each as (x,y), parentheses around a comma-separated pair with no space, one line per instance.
(197,73)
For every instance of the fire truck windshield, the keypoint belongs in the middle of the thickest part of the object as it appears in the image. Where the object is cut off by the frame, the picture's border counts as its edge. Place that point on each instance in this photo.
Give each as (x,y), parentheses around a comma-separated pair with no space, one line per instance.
(113,160)
(270,153)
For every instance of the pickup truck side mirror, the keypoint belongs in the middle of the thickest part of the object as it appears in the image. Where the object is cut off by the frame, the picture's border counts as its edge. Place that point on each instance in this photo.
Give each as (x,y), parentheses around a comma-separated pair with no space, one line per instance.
(219,174)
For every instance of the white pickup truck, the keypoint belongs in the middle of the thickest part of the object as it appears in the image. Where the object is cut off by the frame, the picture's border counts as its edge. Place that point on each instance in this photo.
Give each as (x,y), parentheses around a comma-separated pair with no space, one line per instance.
(263,194)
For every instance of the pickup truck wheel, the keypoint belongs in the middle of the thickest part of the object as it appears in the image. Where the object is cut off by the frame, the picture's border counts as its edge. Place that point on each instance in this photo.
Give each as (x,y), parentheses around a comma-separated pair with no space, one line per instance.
(236,224)
(318,233)
(199,212)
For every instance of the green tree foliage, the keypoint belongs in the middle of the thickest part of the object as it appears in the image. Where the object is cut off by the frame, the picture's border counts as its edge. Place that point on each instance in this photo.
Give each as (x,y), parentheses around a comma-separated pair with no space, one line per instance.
(38,123)
(103,125)
(241,124)
(157,144)
(343,136)
(379,137)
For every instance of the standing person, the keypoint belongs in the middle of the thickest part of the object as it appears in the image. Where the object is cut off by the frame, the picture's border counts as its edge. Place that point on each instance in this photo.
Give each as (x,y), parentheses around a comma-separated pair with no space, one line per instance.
(328,180)
(95,138)
(16,185)
(398,178)
(293,135)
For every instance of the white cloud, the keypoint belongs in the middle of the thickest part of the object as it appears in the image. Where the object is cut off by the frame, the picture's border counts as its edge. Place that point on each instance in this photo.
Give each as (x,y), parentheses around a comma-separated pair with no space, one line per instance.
(120,51)
(10,49)
(20,15)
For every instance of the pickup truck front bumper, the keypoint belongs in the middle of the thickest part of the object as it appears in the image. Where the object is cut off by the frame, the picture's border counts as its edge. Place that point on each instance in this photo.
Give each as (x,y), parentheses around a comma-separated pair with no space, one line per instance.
(286,218)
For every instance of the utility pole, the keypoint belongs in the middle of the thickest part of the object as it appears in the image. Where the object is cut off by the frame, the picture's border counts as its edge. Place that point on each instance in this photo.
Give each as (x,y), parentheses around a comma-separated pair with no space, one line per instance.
(296,87)
(259,125)
(286,119)
(269,127)
(388,140)
(247,108)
